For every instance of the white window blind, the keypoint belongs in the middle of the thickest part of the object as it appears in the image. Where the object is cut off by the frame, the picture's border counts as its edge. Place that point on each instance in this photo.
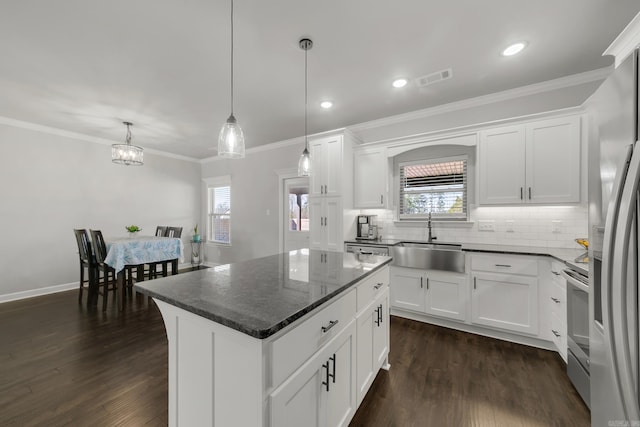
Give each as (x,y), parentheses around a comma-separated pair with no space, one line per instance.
(436,186)
(219,226)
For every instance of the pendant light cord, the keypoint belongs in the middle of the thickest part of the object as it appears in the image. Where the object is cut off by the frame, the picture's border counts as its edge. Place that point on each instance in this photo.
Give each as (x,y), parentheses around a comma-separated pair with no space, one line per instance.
(306,139)
(232,57)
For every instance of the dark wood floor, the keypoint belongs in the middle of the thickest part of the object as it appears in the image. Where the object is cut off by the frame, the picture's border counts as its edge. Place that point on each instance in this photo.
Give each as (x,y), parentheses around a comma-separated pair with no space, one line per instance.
(61,364)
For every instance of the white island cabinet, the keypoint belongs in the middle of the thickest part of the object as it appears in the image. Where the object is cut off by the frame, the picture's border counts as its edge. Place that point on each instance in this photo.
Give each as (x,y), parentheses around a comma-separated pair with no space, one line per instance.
(256,345)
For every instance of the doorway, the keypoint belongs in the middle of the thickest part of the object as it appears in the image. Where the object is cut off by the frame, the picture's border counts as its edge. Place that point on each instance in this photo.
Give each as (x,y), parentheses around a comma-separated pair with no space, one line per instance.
(296,213)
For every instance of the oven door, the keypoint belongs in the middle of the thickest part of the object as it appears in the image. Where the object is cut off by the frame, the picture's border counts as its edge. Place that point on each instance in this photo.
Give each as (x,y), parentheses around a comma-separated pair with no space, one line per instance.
(578,316)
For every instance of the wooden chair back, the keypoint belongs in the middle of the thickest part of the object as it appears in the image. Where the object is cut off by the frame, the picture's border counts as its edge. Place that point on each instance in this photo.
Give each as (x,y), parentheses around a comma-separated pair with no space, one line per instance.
(84,245)
(161,230)
(174,232)
(99,247)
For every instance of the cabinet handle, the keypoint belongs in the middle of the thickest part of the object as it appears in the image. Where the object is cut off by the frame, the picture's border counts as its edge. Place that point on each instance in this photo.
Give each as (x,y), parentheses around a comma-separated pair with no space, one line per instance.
(332,323)
(333,374)
(555,333)
(427,283)
(378,286)
(381,199)
(421,283)
(474,283)
(529,193)
(503,265)
(556,273)
(521,193)
(556,300)
(380,315)
(377,316)
(325,220)
(326,368)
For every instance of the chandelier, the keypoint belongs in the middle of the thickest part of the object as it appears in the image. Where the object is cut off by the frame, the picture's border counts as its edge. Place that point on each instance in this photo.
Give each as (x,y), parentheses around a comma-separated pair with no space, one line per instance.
(127,154)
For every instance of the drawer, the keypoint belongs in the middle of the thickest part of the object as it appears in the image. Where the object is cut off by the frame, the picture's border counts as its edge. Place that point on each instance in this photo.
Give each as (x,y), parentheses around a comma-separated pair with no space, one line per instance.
(510,264)
(296,346)
(559,335)
(371,287)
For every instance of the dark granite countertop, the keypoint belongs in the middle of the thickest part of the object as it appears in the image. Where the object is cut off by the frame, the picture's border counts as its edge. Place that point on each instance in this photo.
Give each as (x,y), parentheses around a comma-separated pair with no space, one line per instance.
(564,255)
(259,297)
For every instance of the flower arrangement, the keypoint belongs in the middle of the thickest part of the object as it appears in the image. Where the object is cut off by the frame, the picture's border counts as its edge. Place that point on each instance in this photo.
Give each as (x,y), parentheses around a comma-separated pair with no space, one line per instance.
(196,235)
(133,228)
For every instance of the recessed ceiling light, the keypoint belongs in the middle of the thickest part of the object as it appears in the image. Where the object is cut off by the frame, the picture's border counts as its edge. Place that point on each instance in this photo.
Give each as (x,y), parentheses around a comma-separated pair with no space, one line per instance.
(514,49)
(399,83)
(326,104)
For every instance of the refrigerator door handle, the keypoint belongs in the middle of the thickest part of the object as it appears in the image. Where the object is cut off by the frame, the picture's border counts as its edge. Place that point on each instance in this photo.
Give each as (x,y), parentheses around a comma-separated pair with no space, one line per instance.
(622,348)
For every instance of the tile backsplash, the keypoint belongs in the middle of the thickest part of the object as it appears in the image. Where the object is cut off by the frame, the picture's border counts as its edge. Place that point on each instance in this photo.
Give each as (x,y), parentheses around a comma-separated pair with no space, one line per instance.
(541,226)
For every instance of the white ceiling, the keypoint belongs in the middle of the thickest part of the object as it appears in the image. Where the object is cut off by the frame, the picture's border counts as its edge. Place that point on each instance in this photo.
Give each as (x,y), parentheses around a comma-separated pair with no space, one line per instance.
(87,65)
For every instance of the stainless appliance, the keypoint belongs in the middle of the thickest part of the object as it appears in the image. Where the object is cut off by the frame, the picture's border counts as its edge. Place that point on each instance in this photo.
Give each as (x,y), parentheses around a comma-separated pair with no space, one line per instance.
(614,172)
(367,249)
(578,331)
(367,227)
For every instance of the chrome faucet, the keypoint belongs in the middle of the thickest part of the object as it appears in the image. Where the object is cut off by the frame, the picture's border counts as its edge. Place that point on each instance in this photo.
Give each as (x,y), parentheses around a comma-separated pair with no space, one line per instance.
(430,238)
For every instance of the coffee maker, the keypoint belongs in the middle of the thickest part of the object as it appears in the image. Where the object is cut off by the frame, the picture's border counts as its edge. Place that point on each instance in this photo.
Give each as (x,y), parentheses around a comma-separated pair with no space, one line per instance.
(367,227)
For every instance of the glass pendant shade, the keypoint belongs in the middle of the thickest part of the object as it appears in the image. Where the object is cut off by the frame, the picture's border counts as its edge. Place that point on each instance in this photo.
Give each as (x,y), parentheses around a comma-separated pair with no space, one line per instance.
(127,154)
(231,140)
(304,164)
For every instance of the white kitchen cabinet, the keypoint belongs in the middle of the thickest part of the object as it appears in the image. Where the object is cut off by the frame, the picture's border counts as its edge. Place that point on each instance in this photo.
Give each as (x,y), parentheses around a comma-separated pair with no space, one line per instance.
(321,392)
(442,294)
(373,342)
(537,162)
(326,217)
(505,301)
(326,165)
(370,178)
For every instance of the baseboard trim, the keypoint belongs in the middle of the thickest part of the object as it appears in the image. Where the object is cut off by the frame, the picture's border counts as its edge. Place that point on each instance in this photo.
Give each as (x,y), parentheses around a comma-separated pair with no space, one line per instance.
(38,292)
(505,336)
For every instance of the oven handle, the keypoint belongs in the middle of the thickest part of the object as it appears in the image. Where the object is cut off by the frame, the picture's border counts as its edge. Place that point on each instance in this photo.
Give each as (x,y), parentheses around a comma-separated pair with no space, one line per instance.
(567,274)
(622,352)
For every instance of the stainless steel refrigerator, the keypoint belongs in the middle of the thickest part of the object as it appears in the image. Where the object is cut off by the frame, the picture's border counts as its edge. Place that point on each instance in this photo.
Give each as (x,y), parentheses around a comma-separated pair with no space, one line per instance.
(614,173)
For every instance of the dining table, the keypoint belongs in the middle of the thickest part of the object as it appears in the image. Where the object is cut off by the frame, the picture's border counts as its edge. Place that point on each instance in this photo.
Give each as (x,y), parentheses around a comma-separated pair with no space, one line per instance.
(125,252)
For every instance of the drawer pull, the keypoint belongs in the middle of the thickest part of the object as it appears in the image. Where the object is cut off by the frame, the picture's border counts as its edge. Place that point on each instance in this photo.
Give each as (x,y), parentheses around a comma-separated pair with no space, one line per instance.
(333,374)
(556,273)
(556,300)
(366,252)
(503,265)
(379,314)
(555,333)
(326,369)
(378,286)
(332,323)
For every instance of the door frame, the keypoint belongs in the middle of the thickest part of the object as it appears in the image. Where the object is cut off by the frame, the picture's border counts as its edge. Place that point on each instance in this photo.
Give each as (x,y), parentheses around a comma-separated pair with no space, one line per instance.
(283,174)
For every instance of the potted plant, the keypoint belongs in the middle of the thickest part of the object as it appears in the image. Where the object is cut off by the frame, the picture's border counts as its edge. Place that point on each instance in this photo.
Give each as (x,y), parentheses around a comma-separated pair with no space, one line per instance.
(133,229)
(196,235)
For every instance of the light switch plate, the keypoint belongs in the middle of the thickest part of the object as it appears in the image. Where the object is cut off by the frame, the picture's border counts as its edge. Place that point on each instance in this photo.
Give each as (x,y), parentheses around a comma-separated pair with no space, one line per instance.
(556,226)
(486,225)
(510,225)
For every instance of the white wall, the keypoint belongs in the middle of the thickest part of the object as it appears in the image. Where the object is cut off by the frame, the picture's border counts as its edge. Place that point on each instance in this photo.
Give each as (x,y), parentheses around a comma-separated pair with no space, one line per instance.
(254,202)
(51,184)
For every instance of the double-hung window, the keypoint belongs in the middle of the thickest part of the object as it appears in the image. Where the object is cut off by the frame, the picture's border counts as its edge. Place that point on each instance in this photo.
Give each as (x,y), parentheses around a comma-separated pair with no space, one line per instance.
(219,210)
(436,186)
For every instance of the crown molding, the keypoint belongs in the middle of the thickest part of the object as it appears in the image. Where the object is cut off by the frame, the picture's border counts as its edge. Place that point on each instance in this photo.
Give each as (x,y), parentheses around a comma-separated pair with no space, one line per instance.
(536,88)
(82,137)
(261,148)
(626,41)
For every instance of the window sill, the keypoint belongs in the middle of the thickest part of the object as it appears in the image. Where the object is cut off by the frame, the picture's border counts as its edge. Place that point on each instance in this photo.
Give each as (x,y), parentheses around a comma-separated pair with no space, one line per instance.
(438,224)
(213,244)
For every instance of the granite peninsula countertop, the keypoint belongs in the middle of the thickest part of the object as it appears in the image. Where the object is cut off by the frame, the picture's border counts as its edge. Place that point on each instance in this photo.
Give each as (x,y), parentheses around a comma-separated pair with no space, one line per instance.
(564,255)
(259,297)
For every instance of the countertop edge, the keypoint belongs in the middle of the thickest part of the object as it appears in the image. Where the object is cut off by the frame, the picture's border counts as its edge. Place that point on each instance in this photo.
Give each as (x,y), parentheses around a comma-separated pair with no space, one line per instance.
(261,333)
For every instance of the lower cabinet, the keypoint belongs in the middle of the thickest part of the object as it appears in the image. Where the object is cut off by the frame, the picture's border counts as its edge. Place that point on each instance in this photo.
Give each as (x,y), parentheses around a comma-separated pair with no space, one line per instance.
(433,292)
(505,301)
(373,343)
(321,393)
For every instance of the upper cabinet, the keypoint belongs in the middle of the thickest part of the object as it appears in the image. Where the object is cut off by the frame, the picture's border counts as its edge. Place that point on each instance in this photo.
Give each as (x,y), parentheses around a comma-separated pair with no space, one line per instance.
(537,162)
(326,165)
(370,178)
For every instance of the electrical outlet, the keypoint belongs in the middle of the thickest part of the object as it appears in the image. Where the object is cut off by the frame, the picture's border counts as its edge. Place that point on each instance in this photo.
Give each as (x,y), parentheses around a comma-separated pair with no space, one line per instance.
(486,225)
(556,226)
(510,225)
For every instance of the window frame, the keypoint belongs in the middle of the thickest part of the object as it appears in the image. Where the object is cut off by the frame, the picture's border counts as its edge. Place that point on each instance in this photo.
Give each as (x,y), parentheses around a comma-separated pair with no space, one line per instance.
(212,184)
(464,217)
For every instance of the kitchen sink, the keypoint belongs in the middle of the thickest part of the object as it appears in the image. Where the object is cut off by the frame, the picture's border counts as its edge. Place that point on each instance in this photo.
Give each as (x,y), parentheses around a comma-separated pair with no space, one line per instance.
(429,256)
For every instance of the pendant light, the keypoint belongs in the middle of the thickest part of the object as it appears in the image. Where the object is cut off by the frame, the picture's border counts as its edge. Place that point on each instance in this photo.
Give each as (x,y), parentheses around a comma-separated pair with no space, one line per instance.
(127,154)
(231,138)
(304,164)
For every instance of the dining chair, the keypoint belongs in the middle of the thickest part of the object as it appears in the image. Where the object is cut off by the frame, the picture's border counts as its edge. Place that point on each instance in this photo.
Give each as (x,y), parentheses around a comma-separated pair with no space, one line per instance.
(86,259)
(174,232)
(100,251)
(161,230)
(162,267)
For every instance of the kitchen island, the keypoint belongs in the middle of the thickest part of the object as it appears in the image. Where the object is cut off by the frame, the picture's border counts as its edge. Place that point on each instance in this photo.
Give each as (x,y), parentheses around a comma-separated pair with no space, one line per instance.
(290,339)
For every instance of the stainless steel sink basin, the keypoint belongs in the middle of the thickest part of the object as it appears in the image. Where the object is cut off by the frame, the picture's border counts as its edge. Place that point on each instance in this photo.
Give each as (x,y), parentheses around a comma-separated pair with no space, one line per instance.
(429,256)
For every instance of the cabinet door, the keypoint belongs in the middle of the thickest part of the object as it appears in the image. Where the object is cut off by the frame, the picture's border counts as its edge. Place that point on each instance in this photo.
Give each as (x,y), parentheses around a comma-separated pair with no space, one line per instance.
(407,289)
(446,295)
(505,301)
(381,333)
(333,166)
(316,223)
(370,178)
(501,174)
(333,224)
(553,161)
(318,153)
(341,397)
(364,364)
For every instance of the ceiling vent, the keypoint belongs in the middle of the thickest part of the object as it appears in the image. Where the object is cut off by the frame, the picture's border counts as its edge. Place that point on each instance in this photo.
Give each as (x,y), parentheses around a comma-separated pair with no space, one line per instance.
(436,77)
